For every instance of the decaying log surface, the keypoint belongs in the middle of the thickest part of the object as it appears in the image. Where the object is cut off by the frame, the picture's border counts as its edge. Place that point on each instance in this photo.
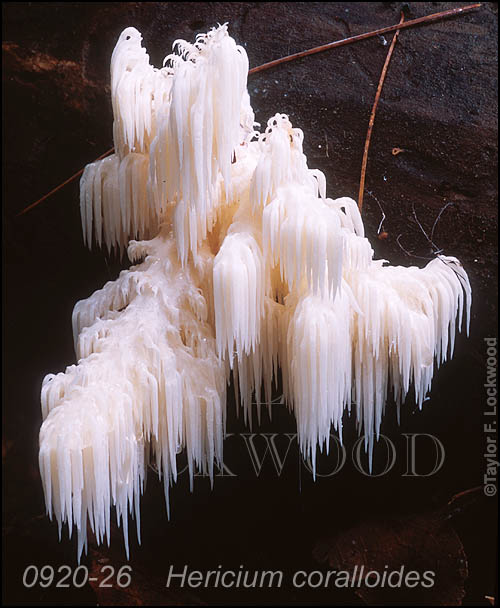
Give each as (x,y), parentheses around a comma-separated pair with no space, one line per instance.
(433,151)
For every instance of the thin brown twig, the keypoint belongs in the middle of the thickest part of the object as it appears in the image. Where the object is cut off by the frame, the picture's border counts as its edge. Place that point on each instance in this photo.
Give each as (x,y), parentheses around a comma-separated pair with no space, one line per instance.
(379,32)
(464,493)
(450,510)
(54,190)
(275,62)
(372,115)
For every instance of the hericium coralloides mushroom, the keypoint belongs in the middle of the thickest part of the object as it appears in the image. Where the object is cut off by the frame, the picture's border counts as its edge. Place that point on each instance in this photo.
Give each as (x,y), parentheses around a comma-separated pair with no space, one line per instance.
(243,268)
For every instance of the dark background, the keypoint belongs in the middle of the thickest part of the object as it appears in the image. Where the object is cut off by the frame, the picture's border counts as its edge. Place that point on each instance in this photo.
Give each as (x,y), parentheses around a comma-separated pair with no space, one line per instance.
(439,105)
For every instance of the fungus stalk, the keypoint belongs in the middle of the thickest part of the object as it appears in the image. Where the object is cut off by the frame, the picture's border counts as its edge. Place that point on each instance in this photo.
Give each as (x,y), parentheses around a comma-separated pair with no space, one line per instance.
(243,267)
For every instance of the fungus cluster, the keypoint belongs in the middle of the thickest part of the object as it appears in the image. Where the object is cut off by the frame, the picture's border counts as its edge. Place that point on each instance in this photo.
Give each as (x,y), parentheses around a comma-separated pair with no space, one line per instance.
(244,268)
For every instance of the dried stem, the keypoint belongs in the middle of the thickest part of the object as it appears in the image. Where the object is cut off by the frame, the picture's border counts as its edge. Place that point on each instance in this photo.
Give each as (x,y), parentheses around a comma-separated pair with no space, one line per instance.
(384,30)
(372,116)
(455,497)
(70,179)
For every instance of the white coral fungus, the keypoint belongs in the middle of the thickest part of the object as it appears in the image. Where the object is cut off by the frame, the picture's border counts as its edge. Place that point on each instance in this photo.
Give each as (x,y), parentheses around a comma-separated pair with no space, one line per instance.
(251,269)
